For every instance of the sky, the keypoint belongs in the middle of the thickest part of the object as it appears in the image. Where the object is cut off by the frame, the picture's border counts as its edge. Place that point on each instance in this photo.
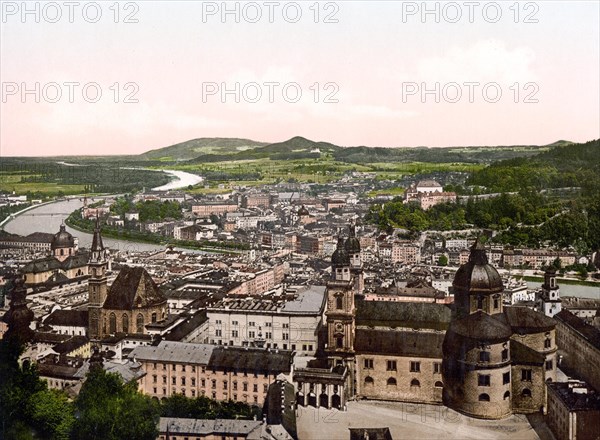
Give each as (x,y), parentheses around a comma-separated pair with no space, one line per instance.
(87,78)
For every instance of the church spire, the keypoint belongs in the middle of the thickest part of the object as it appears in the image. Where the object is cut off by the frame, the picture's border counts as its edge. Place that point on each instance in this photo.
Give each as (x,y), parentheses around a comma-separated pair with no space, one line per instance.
(19,316)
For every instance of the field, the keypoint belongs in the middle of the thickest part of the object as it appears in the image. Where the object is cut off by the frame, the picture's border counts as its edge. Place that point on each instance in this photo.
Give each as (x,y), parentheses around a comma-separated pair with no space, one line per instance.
(322,170)
(12,182)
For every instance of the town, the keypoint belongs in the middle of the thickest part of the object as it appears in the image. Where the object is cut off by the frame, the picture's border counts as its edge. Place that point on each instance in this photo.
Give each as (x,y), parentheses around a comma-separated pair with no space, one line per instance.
(297,301)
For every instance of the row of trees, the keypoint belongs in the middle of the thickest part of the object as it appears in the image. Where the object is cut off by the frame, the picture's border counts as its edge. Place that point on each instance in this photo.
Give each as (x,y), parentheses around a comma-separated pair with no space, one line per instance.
(149,210)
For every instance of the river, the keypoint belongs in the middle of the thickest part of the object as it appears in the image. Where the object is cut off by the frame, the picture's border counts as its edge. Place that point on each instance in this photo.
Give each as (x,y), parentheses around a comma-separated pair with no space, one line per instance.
(49,217)
(578,290)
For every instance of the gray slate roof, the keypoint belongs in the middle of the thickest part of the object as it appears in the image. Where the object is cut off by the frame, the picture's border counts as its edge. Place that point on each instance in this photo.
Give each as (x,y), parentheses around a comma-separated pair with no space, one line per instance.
(177,352)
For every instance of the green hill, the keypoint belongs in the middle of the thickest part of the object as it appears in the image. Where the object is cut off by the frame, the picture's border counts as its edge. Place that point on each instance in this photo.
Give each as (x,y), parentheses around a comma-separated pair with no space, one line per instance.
(190,149)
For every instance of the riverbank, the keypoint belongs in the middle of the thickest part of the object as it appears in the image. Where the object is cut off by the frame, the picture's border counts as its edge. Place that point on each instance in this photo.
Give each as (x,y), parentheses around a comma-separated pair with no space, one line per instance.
(75,221)
(569,281)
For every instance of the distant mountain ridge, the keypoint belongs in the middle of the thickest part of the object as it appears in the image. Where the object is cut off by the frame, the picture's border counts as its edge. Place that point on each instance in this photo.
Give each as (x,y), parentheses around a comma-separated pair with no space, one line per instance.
(205,150)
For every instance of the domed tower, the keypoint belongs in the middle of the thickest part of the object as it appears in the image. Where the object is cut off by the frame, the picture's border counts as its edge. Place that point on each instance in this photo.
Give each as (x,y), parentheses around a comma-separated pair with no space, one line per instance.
(476,353)
(477,285)
(352,247)
(63,244)
(340,262)
(340,307)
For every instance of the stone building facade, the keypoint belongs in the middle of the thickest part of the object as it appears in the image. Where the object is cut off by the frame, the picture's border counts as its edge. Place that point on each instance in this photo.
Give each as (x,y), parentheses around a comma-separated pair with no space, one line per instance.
(580,343)
(475,356)
(218,372)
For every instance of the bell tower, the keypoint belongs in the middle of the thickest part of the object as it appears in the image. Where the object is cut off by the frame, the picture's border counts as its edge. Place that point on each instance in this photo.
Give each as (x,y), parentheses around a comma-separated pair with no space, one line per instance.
(352,247)
(550,296)
(341,309)
(97,287)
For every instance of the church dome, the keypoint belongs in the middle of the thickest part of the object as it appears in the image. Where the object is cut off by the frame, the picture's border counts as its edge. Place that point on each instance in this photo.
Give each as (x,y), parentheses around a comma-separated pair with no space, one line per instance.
(340,257)
(477,275)
(352,244)
(62,239)
(303,211)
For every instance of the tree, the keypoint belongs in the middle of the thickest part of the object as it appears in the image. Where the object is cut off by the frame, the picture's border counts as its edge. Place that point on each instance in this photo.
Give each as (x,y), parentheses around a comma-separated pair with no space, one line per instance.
(106,408)
(443,260)
(51,414)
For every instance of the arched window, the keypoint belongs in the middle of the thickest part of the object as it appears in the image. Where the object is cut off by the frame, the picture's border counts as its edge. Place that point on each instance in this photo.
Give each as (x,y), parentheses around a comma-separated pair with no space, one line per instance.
(484,397)
(415,383)
(391,382)
(549,379)
(479,302)
(507,395)
(439,384)
(112,323)
(140,323)
(369,381)
(526,392)
(125,323)
(339,302)
(154,317)
(339,342)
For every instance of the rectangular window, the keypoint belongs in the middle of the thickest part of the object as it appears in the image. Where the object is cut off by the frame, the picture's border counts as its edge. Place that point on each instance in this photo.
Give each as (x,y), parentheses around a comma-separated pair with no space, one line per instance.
(415,366)
(234,333)
(174,380)
(505,378)
(437,368)
(369,364)
(183,381)
(224,384)
(286,325)
(549,365)
(193,381)
(245,386)
(235,386)
(255,388)
(234,323)
(505,354)
(391,366)
(483,380)
(203,382)
(154,378)
(214,384)
(526,375)
(218,332)
(251,324)
(547,343)
(265,388)
(484,356)
(268,335)
(268,324)
(251,334)
(286,337)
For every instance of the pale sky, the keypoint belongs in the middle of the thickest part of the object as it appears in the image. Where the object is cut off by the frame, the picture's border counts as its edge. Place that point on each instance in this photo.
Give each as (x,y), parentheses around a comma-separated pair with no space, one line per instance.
(376,60)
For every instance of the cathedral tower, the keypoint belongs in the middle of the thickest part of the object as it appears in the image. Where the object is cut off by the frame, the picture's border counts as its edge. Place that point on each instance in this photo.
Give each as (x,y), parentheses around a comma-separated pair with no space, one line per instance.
(352,247)
(340,306)
(97,288)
